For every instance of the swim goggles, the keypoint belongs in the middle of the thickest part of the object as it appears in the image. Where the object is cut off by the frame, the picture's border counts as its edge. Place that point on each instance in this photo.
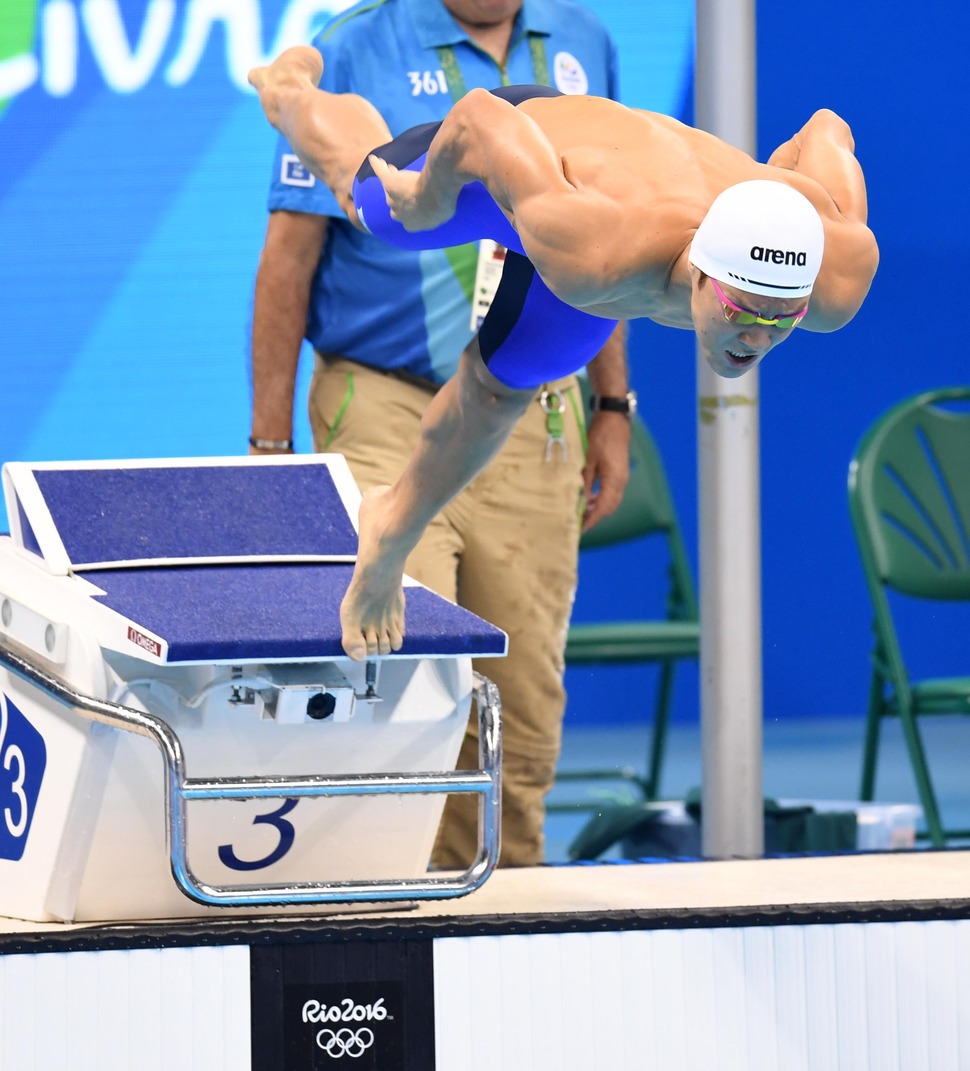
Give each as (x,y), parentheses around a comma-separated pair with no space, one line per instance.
(734,314)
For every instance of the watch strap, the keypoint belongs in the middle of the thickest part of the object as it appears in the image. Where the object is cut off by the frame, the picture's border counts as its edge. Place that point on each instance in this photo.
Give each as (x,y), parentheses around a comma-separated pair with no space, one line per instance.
(610,403)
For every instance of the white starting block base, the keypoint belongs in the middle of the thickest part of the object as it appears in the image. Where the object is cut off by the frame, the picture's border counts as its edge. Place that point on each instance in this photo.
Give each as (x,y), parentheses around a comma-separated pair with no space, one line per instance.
(105,856)
(213,730)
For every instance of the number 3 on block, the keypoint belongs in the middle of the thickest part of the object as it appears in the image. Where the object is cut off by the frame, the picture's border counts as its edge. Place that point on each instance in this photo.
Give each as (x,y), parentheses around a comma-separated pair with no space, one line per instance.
(23,759)
(287,834)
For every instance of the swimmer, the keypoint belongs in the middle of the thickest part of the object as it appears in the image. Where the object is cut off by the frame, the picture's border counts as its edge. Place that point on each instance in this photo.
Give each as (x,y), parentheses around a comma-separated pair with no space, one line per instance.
(610,213)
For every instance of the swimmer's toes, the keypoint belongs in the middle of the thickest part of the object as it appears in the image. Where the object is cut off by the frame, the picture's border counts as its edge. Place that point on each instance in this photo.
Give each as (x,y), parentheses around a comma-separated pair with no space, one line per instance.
(356,650)
(375,641)
(354,644)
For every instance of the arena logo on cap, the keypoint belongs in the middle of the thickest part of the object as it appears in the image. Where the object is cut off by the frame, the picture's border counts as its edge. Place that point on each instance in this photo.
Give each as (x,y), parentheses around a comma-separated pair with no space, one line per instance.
(778,256)
(568,74)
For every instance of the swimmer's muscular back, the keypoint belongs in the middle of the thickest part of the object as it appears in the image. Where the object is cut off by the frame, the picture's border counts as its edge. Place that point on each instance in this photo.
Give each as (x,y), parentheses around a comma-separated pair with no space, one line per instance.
(610,232)
(607,236)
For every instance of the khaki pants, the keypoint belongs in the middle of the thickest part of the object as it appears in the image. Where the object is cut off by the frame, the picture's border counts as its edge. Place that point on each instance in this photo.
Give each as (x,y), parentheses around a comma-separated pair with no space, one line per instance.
(506,549)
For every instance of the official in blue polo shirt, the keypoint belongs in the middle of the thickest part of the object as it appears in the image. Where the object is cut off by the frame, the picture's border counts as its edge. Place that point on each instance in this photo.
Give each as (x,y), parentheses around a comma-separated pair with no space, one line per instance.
(388,327)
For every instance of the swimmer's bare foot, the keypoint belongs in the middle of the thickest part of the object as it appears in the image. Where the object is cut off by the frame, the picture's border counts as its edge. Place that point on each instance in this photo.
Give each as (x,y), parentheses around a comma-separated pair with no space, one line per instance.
(295,68)
(372,611)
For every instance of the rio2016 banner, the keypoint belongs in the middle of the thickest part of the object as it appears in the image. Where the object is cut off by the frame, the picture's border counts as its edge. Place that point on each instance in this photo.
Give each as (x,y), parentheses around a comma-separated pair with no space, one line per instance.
(135,165)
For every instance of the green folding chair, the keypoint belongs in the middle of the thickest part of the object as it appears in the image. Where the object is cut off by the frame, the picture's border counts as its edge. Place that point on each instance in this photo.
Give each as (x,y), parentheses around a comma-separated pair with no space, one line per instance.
(909,497)
(646,513)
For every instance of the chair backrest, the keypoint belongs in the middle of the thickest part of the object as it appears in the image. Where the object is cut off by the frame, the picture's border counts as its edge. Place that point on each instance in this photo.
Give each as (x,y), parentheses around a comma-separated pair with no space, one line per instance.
(909,496)
(647,509)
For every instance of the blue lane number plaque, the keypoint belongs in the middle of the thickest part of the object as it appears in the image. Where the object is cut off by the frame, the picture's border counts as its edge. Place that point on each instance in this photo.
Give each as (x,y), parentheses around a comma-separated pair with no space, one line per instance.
(23,759)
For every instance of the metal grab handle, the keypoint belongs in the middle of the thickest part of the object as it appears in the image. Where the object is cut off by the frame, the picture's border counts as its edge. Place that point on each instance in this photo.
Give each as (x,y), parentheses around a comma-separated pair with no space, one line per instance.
(486,782)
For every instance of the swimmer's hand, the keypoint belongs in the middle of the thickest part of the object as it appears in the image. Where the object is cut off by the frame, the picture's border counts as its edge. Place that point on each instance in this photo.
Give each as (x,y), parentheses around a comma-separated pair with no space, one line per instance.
(412,203)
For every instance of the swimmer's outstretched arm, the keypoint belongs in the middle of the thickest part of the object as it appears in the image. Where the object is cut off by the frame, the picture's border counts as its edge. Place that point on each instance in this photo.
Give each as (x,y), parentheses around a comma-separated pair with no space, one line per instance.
(486,139)
(482,138)
(824,150)
(332,133)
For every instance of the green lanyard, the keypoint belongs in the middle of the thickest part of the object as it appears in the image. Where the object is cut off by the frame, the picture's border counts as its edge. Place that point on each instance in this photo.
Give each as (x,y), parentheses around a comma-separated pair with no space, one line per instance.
(456,82)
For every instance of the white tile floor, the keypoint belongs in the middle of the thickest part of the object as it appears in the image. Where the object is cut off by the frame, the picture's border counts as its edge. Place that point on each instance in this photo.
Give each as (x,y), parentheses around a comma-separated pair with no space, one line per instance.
(804,758)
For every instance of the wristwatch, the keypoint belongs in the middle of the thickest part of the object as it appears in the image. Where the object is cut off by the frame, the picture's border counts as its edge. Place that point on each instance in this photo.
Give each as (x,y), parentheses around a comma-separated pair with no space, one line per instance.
(626,403)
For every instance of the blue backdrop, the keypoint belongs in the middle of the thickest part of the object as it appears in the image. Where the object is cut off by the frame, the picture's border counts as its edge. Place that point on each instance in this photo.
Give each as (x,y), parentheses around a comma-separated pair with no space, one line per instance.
(133,171)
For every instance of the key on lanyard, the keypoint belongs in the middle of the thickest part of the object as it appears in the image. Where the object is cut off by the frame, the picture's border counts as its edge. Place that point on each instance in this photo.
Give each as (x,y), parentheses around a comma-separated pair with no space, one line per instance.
(553,406)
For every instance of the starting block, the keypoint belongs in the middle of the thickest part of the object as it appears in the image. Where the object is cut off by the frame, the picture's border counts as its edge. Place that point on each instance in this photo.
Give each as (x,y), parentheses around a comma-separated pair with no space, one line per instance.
(187,609)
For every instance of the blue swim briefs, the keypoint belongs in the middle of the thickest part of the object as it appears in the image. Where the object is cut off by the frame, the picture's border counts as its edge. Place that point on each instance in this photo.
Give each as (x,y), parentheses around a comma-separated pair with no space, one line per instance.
(529,336)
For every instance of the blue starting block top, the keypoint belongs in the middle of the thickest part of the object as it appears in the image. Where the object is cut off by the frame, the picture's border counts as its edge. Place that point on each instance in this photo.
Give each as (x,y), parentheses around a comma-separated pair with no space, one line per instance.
(114,516)
(278,612)
(217,559)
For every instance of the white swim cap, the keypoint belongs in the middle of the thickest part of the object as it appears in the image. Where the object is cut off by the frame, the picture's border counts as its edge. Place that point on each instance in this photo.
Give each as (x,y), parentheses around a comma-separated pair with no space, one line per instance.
(763,237)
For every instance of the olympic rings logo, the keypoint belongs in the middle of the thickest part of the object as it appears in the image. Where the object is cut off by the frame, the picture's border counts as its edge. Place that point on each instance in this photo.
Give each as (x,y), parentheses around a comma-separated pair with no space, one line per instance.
(345,1042)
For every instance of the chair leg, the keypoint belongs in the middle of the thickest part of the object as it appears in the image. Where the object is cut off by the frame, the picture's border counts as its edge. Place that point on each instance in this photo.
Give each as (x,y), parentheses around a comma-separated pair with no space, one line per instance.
(876,712)
(659,737)
(921,771)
